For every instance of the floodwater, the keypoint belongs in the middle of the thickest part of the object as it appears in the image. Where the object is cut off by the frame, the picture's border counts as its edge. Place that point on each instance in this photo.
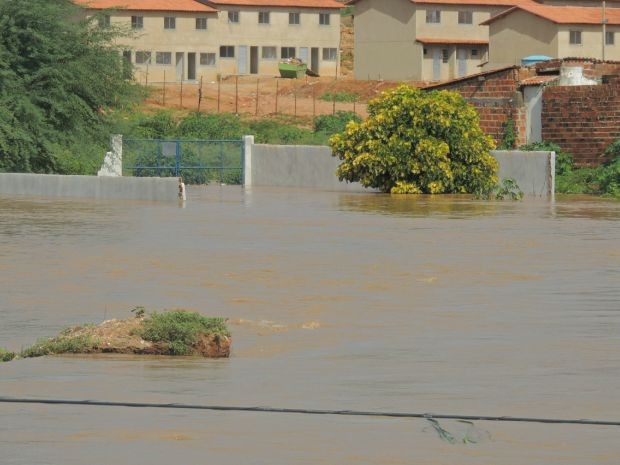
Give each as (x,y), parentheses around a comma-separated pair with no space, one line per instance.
(336,301)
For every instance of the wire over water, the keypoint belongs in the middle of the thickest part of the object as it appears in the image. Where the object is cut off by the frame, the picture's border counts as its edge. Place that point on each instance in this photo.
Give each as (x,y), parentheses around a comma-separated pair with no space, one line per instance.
(97,403)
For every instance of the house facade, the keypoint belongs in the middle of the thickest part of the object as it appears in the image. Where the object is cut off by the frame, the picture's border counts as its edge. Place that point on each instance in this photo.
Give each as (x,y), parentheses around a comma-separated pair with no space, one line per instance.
(186,40)
(554,31)
(422,40)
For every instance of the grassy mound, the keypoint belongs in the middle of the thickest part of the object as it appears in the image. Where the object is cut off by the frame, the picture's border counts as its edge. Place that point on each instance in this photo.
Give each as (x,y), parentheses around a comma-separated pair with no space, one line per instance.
(176,332)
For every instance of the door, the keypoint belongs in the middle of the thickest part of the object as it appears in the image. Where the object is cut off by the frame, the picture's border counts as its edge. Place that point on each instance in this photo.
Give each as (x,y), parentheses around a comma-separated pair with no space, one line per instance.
(436,64)
(314,59)
(242,61)
(191,66)
(253,60)
(303,54)
(461,56)
(180,66)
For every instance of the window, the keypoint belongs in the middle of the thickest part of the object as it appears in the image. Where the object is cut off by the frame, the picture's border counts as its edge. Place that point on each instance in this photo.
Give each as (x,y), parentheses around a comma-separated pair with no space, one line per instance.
(269,53)
(609,38)
(444,55)
(293,18)
(433,16)
(287,52)
(104,21)
(324,19)
(143,58)
(263,17)
(207,59)
(137,22)
(233,17)
(201,24)
(330,54)
(127,56)
(574,38)
(465,17)
(474,52)
(170,22)
(227,51)
(425,51)
(163,58)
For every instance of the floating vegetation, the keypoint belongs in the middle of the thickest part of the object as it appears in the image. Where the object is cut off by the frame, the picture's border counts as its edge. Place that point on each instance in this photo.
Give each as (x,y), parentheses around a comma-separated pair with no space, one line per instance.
(472,435)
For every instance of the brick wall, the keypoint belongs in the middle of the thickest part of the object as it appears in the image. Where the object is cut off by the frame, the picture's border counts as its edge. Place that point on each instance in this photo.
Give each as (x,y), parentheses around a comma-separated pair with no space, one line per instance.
(583,120)
(497,98)
(592,69)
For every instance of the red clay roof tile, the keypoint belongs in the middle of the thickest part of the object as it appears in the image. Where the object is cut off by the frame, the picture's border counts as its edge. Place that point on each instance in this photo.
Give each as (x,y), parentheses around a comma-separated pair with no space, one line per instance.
(564,14)
(148,5)
(280,3)
(452,41)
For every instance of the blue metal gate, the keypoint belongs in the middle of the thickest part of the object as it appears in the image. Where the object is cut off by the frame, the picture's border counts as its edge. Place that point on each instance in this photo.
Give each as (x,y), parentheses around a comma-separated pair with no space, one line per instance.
(196,161)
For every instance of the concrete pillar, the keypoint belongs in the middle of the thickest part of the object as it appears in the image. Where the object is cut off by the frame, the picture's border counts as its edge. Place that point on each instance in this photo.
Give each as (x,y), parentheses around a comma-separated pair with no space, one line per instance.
(248,142)
(113,161)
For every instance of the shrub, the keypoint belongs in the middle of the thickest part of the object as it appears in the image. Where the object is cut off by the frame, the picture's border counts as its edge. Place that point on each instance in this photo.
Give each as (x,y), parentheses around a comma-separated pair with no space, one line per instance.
(417,142)
(210,126)
(609,174)
(6,356)
(331,124)
(509,137)
(61,345)
(180,329)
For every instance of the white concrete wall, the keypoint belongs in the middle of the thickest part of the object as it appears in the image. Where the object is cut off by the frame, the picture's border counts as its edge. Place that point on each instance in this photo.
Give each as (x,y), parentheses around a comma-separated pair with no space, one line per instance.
(534,172)
(314,167)
(303,166)
(126,188)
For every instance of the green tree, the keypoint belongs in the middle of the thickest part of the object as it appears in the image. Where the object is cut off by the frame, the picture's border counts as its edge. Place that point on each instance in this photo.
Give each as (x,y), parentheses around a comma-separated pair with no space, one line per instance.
(417,142)
(58,75)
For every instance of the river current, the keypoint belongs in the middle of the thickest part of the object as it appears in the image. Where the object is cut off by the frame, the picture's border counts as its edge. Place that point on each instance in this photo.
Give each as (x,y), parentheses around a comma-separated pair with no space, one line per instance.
(336,301)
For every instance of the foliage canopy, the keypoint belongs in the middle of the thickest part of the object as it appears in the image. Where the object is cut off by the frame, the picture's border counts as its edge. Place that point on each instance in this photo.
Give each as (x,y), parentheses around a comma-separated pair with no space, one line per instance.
(58,74)
(417,142)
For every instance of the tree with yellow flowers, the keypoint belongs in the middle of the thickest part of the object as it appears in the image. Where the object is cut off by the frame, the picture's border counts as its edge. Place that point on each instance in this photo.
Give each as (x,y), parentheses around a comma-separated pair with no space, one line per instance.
(417,142)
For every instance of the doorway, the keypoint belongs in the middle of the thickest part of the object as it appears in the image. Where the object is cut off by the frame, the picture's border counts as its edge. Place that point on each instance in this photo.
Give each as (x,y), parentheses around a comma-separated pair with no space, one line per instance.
(314,59)
(191,66)
(253,60)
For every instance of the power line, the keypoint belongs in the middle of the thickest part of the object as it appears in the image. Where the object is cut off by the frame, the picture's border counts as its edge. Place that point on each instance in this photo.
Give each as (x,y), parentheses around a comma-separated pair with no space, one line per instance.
(227,408)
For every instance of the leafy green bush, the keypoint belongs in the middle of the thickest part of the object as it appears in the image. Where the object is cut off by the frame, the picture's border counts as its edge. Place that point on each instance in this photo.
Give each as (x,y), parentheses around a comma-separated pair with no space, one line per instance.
(602,180)
(223,126)
(58,76)
(609,173)
(180,329)
(509,137)
(61,345)
(6,356)
(417,142)
(331,124)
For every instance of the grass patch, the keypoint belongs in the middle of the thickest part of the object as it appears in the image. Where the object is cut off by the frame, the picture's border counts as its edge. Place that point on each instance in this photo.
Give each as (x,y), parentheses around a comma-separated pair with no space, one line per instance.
(6,356)
(346,97)
(63,344)
(180,329)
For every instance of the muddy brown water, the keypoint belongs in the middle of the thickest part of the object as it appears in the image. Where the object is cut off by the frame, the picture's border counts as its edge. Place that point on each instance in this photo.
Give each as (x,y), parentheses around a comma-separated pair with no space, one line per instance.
(336,301)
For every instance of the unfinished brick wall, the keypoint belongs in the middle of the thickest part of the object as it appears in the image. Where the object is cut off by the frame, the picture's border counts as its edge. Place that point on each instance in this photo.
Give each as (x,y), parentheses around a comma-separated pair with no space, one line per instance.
(583,120)
(497,99)
(592,69)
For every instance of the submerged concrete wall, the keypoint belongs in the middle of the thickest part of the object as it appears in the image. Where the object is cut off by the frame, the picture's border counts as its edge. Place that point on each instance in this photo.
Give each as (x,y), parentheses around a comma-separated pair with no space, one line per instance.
(314,167)
(534,172)
(51,185)
(304,166)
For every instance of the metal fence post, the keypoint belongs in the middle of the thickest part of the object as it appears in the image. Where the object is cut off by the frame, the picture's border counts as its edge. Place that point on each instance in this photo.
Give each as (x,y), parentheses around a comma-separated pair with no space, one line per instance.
(177,164)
